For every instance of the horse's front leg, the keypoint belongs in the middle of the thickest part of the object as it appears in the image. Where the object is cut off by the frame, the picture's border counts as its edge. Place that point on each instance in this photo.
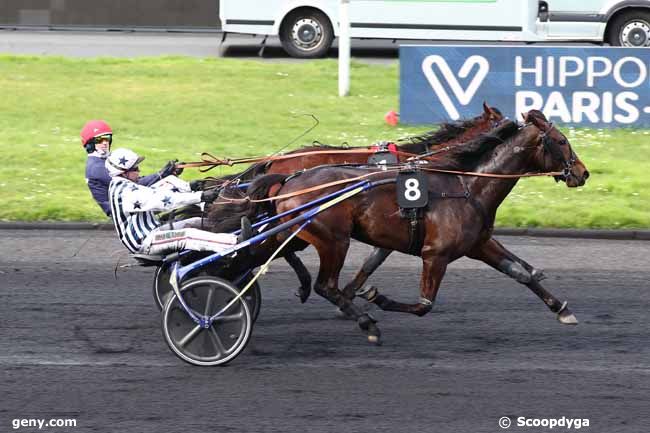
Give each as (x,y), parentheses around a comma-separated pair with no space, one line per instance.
(536,273)
(433,270)
(498,257)
(370,265)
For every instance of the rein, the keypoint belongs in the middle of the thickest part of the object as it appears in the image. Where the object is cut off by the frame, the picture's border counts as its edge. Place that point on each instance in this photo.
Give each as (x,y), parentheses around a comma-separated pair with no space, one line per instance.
(211,161)
(374,173)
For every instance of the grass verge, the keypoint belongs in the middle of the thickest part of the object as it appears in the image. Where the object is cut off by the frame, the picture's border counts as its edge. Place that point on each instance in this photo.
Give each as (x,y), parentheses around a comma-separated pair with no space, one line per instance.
(177,107)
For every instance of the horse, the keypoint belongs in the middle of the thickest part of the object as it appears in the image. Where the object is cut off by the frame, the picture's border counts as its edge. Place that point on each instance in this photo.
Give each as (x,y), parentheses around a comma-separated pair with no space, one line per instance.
(449,134)
(438,143)
(453,228)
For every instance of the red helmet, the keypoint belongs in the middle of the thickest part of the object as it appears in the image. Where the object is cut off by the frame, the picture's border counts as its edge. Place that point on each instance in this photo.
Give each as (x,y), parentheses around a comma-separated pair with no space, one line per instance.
(92,129)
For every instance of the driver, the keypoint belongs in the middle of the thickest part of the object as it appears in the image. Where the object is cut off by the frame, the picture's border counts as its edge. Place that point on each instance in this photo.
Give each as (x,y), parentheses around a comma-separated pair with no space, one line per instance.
(133,208)
(96,138)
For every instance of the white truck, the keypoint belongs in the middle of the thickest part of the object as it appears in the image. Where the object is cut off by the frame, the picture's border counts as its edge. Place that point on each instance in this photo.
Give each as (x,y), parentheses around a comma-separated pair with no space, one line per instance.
(307,28)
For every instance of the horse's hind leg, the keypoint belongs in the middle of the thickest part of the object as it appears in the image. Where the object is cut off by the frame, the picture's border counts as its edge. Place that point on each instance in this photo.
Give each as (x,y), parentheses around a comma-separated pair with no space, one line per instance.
(497,256)
(303,275)
(372,262)
(433,270)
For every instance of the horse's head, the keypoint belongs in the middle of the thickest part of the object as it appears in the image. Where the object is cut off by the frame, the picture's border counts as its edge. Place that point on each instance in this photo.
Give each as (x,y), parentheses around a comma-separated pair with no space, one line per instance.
(555,152)
(490,118)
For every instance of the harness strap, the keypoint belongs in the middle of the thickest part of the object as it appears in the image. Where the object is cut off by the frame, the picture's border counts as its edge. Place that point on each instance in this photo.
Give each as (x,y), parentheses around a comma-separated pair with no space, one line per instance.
(211,161)
(364,176)
(305,190)
(491,175)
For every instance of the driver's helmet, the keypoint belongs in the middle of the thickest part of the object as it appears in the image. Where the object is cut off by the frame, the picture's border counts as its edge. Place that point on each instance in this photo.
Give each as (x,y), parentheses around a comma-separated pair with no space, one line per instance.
(122,160)
(93,132)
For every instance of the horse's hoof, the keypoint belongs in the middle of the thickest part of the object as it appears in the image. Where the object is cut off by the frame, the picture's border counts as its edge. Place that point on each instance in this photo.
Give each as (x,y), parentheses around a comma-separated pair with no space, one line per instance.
(368,324)
(303,294)
(374,339)
(566,317)
(538,275)
(340,314)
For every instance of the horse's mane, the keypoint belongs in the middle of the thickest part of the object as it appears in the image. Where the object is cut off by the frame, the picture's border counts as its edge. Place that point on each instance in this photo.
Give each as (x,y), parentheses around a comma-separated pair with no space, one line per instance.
(468,155)
(448,131)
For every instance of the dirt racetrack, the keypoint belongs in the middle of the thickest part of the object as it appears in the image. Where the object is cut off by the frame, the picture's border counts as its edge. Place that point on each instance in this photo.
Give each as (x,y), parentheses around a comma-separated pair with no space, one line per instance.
(76,343)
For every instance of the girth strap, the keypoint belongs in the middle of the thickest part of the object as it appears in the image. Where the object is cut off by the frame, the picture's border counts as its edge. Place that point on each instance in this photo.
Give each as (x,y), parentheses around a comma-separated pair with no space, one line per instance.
(416,229)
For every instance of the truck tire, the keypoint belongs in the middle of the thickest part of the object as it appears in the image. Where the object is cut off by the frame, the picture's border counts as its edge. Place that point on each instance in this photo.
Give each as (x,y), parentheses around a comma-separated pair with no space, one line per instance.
(630,29)
(306,33)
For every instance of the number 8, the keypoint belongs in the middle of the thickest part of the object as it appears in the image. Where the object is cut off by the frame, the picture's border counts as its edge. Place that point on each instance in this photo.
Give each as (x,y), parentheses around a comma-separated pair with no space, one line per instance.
(412,192)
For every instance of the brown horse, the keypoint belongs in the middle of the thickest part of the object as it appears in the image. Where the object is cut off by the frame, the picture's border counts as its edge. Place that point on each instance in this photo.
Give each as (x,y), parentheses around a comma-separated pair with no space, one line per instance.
(446,137)
(452,227)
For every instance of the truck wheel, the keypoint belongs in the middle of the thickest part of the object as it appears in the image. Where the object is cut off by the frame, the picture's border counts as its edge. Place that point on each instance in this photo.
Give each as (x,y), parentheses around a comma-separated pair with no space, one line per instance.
(630,29)
(306,33)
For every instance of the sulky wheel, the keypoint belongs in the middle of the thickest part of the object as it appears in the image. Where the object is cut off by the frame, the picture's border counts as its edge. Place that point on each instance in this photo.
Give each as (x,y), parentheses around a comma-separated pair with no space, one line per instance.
(253,296)
(226,336)
(162,288)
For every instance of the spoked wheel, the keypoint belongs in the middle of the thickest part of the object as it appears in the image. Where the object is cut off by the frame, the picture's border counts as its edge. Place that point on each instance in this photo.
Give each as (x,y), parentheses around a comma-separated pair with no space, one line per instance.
(161,286)
(226,336)
(162,289)
(253,297)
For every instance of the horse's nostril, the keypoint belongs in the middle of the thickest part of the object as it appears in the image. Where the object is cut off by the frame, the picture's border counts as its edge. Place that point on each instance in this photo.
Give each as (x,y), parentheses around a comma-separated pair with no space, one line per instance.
(585,175)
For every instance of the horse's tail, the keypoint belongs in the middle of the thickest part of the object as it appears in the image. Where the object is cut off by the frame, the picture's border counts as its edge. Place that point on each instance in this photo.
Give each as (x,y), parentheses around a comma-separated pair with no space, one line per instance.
(226,217)
(260,189)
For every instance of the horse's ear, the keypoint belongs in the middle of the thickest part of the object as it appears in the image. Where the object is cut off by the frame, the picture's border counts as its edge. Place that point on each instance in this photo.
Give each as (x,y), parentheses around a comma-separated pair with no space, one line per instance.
(524,117)
(486,108)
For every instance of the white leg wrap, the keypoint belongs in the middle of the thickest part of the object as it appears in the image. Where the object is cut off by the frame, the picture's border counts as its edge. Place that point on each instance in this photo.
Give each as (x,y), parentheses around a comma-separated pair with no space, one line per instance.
(168,241)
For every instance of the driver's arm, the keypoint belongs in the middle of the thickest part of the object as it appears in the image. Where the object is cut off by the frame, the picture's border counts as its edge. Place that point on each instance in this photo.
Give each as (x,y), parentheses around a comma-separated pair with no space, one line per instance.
(139,198)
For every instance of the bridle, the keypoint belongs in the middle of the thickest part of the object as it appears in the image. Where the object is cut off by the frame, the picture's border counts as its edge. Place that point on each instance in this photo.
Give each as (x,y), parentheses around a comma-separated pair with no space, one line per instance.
(553,148)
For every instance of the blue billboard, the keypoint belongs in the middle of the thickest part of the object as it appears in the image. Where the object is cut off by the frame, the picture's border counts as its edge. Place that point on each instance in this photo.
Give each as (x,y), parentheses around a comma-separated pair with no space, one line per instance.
(582,86)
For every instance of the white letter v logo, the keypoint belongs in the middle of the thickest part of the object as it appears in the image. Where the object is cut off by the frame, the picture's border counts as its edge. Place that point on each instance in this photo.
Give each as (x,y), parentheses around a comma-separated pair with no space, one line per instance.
(463,96)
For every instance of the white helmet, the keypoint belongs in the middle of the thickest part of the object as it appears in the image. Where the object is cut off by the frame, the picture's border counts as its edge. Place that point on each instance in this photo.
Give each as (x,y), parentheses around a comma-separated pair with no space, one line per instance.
(121,160)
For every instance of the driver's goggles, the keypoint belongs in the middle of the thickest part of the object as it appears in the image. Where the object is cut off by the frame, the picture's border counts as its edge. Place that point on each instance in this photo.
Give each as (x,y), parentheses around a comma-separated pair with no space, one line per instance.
(107,137)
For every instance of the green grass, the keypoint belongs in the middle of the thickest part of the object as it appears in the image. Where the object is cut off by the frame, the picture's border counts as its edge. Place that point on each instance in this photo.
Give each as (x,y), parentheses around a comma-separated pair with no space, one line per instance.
(173,107)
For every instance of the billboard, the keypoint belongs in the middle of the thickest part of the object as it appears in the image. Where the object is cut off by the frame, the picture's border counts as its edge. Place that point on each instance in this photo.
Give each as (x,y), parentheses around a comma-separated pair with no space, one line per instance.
(582,86)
